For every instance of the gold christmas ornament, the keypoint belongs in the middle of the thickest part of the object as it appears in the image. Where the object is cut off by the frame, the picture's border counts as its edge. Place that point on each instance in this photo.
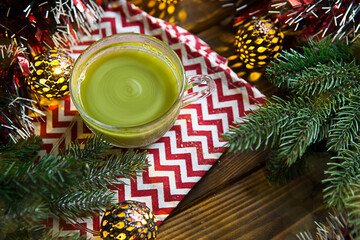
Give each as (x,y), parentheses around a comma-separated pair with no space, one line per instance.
(257,42)
(128,220)
(50,73)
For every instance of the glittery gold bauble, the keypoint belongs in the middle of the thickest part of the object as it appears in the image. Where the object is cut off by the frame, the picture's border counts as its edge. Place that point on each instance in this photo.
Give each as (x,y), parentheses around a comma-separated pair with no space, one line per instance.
(258,41)
(128,220)
(50,74)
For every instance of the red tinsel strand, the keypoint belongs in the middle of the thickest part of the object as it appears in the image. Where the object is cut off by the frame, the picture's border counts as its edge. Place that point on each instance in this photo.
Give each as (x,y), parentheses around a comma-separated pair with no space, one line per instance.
(41,25)
(14,99)
(338,18)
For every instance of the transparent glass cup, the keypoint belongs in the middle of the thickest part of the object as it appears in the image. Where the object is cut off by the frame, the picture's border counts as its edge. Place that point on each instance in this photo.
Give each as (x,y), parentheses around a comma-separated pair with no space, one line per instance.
(144,134)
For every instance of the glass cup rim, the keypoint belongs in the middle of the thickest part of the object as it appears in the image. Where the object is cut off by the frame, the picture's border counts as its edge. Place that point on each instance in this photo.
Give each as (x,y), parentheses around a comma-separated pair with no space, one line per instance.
(169,110)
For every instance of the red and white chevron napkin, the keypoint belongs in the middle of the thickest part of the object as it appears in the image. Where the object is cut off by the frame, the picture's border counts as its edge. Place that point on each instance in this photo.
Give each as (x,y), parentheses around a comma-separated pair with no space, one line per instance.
(192,146)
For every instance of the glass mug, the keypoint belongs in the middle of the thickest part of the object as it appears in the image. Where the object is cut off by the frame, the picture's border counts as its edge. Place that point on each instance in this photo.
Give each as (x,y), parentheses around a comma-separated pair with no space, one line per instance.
(132,101)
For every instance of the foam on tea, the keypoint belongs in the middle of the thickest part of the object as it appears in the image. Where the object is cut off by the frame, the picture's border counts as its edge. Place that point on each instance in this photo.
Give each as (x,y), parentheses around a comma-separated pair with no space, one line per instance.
(128,88)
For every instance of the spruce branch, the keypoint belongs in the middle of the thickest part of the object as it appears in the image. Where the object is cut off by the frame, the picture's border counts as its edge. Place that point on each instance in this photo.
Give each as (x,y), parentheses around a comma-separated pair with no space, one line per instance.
(289,125)
(344,132)
(88,197)
(53,174)
(82,203)
(91,150)
(343,191)
(127,165)
(322,107)
(343,178)
(97,176)
(260,127)
(302,131)
(22,150)
(284,71)
(23,219)
(15,158)
(352,204)
(73,184)
(321,78)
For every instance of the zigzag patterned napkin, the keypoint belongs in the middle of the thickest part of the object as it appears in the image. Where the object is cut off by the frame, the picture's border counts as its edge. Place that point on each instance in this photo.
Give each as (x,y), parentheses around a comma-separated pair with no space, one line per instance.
(192,146)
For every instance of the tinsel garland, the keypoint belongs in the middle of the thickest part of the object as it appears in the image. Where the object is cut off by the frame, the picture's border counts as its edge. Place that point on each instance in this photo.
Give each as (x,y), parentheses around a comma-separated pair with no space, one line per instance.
(339,19)
(15,102)
(28,28)
(39,24)
(334,228)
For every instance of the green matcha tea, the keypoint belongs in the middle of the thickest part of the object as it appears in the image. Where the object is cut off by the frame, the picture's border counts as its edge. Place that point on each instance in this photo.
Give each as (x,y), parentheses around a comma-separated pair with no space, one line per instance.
(128,88)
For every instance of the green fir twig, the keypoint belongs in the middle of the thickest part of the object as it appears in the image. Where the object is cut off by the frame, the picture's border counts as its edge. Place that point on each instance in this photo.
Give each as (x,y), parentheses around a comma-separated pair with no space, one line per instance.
(72,185)
(322,105)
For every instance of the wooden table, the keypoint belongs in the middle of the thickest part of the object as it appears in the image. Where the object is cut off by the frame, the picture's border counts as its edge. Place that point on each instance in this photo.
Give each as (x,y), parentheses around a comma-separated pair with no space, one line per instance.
(234,199)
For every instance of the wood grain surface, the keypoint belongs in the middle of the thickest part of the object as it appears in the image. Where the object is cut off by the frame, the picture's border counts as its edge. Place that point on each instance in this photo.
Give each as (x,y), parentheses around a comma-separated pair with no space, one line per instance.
(234,200)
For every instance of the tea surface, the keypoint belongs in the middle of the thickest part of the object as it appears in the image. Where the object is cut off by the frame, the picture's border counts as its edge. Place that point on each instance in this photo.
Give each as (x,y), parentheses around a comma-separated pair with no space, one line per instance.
(128,88)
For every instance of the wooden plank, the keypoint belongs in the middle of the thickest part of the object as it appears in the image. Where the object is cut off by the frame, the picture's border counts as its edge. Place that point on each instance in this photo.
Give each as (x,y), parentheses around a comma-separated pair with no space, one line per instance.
(229,168)
(247,209)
